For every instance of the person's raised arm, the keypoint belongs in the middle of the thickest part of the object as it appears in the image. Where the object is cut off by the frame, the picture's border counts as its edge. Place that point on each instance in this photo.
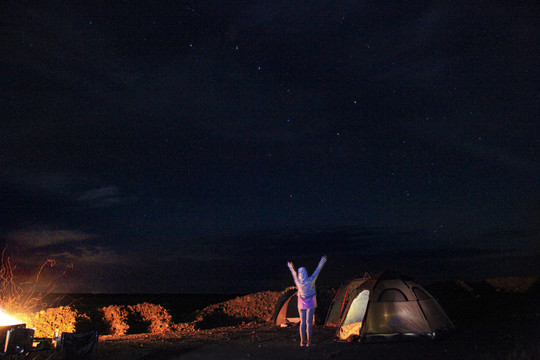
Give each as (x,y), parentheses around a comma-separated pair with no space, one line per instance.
(319,267)
(291,267)
(293,272)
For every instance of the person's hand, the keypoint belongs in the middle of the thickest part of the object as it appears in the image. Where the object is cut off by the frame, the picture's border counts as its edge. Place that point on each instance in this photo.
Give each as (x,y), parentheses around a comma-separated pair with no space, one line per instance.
(290,264)
(325,257)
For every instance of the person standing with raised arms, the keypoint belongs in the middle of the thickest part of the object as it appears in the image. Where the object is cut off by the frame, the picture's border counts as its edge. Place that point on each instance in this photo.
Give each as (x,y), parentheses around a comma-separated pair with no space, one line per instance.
(307,299)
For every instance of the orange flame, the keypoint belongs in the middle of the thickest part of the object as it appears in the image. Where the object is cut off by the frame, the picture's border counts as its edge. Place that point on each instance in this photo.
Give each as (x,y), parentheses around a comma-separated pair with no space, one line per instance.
(6,319)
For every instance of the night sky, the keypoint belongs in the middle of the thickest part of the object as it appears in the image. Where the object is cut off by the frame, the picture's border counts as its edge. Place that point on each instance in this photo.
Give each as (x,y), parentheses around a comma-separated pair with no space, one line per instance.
(197,146)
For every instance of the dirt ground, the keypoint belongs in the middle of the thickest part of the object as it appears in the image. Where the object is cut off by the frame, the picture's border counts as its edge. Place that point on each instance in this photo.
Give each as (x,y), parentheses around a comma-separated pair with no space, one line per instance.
(264,341)
(497,319)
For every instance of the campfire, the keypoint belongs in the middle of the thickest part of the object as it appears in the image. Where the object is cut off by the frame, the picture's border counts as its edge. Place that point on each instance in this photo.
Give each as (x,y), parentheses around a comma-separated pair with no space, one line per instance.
(6,319)
(15,338)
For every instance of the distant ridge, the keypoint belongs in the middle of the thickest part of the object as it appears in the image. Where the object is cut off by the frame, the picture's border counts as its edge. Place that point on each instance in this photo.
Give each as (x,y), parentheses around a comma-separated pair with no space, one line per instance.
(513,284)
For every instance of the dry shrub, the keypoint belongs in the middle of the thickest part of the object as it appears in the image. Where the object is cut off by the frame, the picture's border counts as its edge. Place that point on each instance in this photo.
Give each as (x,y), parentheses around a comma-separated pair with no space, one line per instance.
(47,321)
(156,316)
(136,319)
(116,317)
(92,320)
(513,284)
(184,327)
(258,307)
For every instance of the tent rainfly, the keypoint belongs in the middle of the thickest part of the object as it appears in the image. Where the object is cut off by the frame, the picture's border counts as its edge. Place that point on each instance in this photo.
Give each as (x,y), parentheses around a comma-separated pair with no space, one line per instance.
(387,306)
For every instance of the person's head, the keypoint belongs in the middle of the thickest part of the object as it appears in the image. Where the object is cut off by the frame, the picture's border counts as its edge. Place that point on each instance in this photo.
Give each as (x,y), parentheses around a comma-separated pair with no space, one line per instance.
(302,274)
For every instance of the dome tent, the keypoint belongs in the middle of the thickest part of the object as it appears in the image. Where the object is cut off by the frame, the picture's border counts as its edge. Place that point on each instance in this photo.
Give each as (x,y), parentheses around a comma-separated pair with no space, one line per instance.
(286,309)
(387,306)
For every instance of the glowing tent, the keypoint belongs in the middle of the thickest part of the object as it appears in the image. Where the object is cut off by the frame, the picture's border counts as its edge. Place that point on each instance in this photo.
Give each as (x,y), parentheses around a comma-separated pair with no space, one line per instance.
(387,306)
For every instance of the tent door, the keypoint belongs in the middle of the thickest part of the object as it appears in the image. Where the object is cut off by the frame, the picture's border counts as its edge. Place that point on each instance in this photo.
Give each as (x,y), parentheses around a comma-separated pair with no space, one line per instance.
(352,324)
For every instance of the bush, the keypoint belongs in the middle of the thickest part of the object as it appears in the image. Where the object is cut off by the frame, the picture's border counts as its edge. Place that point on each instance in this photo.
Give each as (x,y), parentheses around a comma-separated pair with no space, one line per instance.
(156,317)
(46,322)
(137,319)
(116,317)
